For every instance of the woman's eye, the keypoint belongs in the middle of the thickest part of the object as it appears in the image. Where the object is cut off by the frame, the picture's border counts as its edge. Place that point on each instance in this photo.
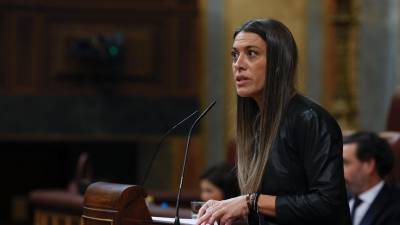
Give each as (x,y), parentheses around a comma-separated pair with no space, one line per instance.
(251,53)
(235,56)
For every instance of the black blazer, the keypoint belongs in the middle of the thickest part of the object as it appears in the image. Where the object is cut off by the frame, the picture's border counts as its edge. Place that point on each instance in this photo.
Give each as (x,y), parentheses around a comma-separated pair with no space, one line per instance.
(305,169)
(385,209)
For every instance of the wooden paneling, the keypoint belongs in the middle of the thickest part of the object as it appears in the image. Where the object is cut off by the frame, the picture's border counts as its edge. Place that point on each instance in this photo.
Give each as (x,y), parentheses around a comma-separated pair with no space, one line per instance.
(193,169)
(172,6)
(160,52)
(24,52)
(45,93)
(144,61)
(3,54)
(188,51)
(340,66)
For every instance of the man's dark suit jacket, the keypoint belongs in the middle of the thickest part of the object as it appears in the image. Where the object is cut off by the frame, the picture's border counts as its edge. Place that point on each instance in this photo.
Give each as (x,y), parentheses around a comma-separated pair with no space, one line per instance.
(385,209)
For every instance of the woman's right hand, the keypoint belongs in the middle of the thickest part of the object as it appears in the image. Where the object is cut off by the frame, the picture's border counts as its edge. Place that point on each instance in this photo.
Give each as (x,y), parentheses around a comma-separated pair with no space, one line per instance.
(225,212)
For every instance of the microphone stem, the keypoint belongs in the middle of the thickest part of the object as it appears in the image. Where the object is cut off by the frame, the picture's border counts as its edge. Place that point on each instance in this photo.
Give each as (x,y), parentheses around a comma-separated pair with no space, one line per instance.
(146,175)
(177,222)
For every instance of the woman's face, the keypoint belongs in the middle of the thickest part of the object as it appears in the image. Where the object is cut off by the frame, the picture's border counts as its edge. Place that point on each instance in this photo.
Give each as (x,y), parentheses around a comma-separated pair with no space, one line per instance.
(210,191)
(249,63)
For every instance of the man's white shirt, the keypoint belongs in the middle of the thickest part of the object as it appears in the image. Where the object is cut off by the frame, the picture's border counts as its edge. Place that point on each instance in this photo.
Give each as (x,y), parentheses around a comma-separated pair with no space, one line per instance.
(367,198)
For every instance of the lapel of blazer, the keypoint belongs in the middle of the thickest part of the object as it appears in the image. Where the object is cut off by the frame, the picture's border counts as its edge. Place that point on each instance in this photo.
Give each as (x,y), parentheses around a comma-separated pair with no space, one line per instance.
(376,207)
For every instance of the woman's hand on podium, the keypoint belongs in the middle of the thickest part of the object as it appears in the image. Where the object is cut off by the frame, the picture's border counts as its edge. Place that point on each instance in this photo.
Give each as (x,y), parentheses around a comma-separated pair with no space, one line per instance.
(224,212)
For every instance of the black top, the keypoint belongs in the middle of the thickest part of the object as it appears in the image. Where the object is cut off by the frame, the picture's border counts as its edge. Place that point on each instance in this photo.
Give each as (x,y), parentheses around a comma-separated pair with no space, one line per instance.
(305,169)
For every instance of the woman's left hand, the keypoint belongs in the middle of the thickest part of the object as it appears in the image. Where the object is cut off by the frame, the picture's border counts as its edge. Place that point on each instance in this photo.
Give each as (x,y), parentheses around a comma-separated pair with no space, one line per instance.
(224,212)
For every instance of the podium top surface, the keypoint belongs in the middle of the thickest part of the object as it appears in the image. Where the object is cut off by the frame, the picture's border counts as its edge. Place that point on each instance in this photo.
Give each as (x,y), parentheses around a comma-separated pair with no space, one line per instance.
(111,196)
(169,220)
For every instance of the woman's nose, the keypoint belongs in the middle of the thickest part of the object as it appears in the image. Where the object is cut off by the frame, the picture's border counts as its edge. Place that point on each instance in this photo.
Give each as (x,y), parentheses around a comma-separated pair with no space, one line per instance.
(240,62)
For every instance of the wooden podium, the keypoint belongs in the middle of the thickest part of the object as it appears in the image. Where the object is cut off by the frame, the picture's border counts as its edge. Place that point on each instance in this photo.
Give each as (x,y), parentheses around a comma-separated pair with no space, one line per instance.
(120,204)
(115,204)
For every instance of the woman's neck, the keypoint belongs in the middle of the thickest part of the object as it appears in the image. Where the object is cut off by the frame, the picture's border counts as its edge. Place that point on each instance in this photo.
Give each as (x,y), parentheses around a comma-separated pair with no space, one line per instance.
(259,102)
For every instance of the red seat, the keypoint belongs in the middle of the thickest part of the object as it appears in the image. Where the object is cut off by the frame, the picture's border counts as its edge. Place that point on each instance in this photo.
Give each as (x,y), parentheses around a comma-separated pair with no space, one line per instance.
(393,120)
(394,140)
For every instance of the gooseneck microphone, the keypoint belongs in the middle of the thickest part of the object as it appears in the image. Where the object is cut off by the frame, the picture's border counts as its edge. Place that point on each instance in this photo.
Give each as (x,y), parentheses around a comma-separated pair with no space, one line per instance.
(177,222)
(159,145)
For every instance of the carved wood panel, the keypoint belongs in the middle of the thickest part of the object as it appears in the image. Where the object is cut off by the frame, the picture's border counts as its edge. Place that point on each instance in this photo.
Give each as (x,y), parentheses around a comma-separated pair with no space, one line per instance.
(144,59)
(158,52)
(104,4)
(3,56)
(340,67)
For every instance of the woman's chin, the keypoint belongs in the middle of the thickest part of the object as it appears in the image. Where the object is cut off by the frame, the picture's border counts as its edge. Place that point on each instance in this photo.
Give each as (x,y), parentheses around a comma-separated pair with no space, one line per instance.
(243,94)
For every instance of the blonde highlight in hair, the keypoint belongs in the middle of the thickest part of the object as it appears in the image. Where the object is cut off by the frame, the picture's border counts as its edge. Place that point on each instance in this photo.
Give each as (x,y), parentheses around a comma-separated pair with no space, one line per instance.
(253,153)
(257,128)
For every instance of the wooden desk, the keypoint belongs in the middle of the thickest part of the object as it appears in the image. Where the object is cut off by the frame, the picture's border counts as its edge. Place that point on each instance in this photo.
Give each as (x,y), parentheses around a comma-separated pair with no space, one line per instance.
(115,204)
(56,207)
(59,207)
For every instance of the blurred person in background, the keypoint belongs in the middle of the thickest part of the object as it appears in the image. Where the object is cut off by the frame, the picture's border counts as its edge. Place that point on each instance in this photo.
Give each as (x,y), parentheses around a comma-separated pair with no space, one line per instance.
(219,182)
(367,159)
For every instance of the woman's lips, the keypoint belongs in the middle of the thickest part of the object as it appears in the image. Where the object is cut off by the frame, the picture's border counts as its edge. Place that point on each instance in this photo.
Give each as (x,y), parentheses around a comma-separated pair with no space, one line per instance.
(241,80)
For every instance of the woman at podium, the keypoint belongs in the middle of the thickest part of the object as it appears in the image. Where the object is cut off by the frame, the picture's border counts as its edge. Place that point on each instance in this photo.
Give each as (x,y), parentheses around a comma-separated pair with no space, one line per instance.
(289,149)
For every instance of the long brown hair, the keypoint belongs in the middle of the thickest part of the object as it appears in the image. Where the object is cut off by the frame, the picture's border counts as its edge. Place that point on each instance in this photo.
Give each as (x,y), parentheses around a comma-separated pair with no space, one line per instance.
(279,88)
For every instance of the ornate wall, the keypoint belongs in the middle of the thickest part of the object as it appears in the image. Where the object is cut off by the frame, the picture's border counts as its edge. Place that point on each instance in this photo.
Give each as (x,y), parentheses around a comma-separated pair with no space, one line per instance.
(378,60)
(361,61)
(340,69)
(87,68)
(75,75)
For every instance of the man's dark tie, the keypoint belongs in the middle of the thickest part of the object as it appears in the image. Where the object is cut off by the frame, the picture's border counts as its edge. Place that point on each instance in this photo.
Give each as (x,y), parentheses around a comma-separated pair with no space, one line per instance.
(357,202)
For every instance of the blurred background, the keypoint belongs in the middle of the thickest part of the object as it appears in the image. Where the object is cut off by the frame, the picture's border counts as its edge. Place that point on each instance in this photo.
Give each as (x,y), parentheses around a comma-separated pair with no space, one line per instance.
(87,88)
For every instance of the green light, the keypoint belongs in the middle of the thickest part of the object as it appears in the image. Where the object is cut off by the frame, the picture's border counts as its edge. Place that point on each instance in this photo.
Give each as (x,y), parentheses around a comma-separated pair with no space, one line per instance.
(113,51)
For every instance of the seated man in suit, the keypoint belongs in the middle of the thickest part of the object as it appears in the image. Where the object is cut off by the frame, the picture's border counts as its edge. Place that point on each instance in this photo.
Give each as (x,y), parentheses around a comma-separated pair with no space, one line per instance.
(367,158)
